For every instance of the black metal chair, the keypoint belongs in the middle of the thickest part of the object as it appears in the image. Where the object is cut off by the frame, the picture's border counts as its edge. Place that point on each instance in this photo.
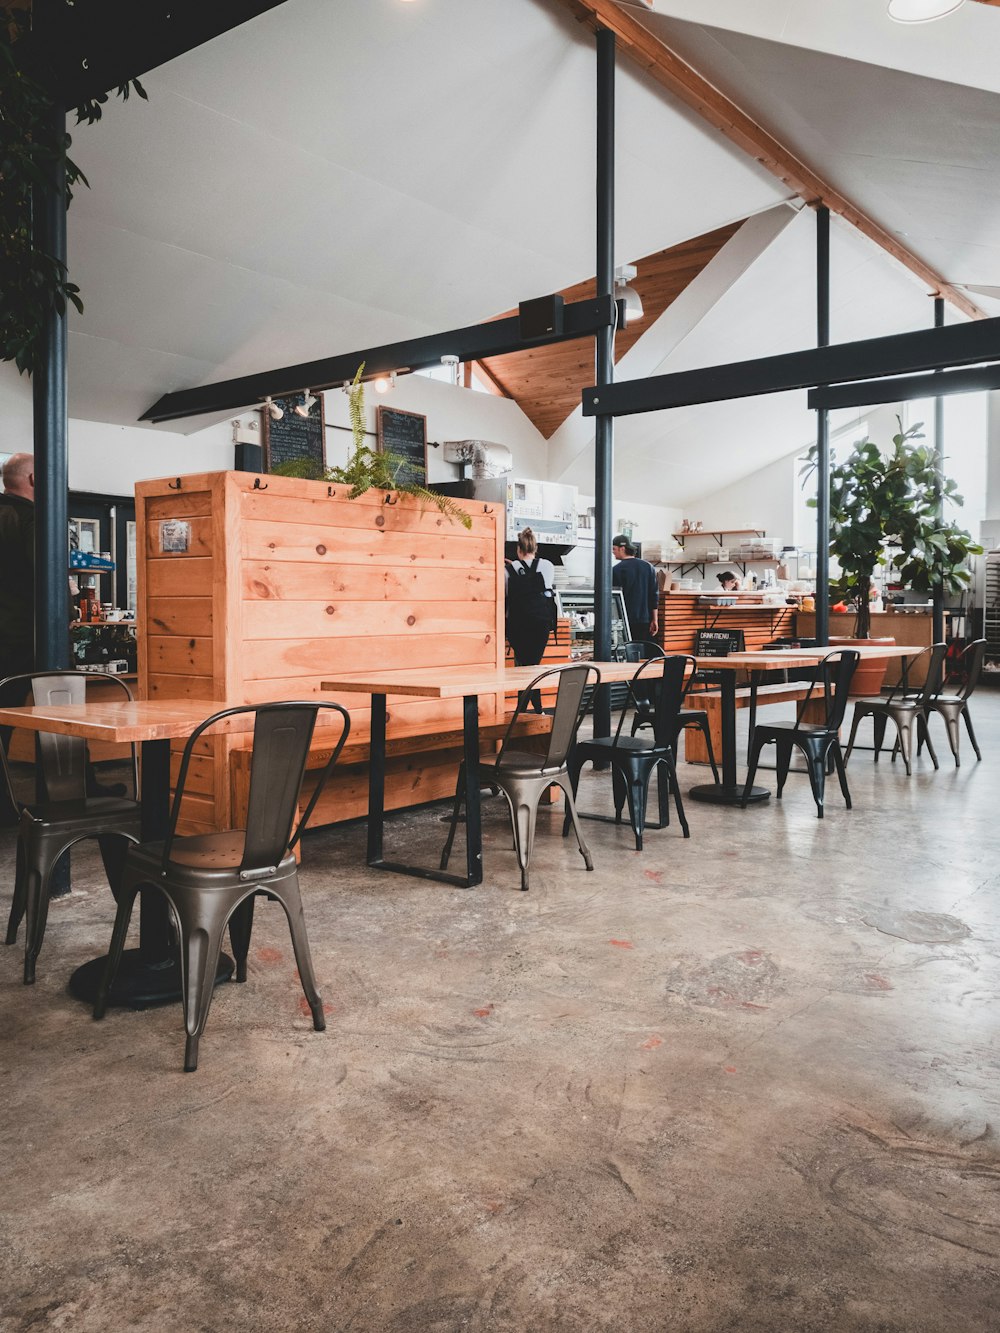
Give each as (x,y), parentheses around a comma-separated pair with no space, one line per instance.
(954,706)
(905,708)
(819,742)
(60,812)
(525,776)
(210,879)
(696,719)
(633,759)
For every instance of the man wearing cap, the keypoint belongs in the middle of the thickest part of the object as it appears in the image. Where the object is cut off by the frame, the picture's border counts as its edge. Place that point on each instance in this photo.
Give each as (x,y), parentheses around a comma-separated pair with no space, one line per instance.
(637,580)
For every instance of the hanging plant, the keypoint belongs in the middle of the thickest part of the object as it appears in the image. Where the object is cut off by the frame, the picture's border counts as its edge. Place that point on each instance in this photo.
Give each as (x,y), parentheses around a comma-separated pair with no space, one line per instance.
(33,283)
(371,469)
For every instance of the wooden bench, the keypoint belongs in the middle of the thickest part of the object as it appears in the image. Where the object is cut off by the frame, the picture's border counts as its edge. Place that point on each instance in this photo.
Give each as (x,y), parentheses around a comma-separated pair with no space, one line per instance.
(695,750)
(421,764)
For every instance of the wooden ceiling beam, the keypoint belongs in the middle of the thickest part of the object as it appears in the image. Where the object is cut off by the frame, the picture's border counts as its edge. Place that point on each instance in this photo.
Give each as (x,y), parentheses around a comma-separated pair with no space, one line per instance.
(679,78)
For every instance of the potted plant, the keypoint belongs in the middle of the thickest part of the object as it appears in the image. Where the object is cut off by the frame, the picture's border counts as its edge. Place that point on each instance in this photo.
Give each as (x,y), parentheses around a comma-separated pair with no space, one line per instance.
(886,506)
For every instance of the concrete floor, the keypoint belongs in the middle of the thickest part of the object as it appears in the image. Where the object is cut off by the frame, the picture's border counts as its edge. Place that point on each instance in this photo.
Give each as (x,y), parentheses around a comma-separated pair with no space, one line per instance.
(746,1081)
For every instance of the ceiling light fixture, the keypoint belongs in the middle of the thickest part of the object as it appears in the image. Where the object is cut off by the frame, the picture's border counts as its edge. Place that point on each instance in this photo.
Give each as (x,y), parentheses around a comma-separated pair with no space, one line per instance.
(273,410)
(450,362)
(623,292)
(305,407)
(383,383)
(922,11)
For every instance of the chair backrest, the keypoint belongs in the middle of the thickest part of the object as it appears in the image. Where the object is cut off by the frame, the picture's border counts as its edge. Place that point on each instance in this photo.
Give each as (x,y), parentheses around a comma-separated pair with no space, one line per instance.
(637,650)
(935,655)
(281,738)
(661,682)
(62,760)
(834,673)
(570,709)
(972,666)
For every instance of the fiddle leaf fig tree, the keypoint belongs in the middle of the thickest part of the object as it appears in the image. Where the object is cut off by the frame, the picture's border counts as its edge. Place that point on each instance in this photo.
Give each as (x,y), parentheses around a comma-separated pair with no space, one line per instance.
(884,507)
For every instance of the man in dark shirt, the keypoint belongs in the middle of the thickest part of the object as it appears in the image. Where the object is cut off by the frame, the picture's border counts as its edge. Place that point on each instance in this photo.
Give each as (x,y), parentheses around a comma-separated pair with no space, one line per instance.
(637,580)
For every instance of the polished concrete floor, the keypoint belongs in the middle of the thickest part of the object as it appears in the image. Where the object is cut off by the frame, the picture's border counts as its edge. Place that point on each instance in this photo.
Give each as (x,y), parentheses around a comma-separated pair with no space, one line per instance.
(745,1081)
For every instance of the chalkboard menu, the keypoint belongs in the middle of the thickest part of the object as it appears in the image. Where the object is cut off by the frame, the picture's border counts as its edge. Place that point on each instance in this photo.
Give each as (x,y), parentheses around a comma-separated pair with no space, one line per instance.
(294,437)
(718,642)
(405,435)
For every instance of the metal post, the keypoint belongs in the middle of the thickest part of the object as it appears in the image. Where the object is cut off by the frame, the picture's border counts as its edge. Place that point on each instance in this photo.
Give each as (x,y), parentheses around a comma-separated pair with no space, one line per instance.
(822,433)
(605,367)
(937,615)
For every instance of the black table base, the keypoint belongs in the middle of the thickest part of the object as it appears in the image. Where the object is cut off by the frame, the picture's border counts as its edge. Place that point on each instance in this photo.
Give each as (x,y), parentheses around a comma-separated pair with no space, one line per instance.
(722,794)
(139,984)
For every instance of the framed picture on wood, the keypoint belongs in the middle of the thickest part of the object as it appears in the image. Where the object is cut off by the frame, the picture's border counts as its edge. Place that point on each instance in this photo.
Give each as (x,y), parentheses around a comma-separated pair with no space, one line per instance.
(405,435)
(294,438)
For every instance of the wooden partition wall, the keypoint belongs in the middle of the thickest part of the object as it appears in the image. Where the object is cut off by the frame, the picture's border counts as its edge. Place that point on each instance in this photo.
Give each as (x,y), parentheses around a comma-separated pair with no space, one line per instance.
(258,588)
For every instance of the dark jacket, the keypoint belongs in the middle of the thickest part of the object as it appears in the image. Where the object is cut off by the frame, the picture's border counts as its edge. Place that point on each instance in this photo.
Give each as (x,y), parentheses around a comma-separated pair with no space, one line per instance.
(17,584)
(637,580)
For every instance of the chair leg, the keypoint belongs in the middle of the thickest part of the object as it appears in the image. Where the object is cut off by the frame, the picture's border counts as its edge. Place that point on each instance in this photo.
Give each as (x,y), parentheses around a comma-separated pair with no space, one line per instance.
(18,901)
(924,737)
(114,849)
(879,721)
(838,760)
(904,726)
(637,789)
(456,810)
(855,723)
(707,729)
(752,760)
(816,766)
(574,768)
(619,788)
(240,930)
(523,815)
(951,727)
(782,763)
(123,914)
(40,861)
(571,814)
(202,924)
(668,764)
(291,900)
(968,727)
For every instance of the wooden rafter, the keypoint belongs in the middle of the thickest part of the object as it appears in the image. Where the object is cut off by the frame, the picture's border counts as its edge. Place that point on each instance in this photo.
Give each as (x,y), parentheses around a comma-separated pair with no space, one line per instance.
(684,82)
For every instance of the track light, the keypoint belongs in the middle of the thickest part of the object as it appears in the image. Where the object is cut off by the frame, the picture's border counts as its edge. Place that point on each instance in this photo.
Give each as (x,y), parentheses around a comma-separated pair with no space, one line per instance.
(305,407)
(383,383)
(623,292)
(273,410)
(922,11)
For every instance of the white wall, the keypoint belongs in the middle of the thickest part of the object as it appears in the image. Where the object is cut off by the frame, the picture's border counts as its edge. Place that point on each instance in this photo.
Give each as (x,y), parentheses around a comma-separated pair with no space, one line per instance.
(765,500)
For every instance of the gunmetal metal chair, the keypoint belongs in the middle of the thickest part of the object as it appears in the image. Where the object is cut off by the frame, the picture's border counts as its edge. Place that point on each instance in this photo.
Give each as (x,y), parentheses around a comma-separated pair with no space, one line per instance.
(210,879)
(61,813)
(524,777)
(634,759)
(693,718)
(819,742)
(955,706)
(905,709)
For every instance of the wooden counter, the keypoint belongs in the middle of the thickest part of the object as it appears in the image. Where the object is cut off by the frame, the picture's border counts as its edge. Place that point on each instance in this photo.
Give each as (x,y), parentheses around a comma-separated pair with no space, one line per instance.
(681,617)
(915,629)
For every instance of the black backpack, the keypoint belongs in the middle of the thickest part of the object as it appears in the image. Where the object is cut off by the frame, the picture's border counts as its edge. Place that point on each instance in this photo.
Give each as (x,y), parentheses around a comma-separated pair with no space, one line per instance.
(527,596)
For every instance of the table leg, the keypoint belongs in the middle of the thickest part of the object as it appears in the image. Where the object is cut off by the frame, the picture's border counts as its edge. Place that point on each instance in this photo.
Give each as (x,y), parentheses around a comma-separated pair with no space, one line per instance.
(151,974)
(376,780)
(728,791)
(473,800)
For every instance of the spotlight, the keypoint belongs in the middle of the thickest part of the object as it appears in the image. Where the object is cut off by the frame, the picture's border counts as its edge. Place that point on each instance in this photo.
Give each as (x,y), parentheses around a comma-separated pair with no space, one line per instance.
(273,410)
(450,362)
(623,292)
(305,407)
(383,383)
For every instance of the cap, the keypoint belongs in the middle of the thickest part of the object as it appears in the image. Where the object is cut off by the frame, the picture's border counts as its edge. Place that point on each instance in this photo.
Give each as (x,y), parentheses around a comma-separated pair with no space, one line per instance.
(620,540)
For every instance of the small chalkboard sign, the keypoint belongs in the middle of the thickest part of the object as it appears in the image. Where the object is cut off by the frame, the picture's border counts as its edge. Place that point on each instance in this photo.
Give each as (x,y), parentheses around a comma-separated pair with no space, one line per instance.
(294,437)
(405,435)
(718,642)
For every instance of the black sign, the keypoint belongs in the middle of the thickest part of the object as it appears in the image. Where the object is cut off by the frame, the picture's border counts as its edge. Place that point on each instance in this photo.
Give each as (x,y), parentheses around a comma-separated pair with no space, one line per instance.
(294,437)
(405,435)
(718,642)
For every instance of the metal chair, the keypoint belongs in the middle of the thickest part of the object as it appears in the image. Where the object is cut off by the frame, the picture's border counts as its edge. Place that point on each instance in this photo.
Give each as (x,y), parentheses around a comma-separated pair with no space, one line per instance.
(904,709)
(695,718)
(524,777)
(955,706)
(210,880)
(634,759)
(61,812)
(819,742)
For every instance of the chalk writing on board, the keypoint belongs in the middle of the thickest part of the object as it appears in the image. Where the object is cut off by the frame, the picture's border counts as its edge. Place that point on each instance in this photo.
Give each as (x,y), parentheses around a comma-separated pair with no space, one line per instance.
(294,438)
(718,642)
(405,435)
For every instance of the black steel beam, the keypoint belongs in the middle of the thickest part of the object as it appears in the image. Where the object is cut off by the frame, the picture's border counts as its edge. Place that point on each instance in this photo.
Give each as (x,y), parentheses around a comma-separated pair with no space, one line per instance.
(864,393)
(499,337)
(822,433)
(87,48)
(897,354)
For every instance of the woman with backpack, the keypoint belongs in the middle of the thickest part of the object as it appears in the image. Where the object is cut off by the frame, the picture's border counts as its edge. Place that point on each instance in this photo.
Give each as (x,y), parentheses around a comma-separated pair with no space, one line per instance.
(531,607)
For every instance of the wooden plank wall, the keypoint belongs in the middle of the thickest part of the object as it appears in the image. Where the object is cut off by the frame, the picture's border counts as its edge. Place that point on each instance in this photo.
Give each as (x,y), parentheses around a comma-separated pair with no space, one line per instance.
(681,617)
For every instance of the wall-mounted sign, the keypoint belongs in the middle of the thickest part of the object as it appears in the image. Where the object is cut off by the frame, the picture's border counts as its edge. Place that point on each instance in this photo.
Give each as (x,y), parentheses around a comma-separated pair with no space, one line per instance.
(295,437)
(405,435)
(175,535)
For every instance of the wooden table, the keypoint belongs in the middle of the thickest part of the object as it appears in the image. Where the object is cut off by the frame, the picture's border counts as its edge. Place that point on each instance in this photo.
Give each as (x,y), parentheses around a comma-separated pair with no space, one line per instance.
(150,974)
(467,684)
(729,791)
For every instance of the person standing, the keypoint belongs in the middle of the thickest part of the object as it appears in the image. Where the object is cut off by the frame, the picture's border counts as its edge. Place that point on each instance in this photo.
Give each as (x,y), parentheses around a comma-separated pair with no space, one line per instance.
(531,607)
(637,580)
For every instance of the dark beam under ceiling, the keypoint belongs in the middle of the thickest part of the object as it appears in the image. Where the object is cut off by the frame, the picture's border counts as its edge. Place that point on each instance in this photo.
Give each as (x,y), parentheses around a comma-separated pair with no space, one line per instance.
(864,393)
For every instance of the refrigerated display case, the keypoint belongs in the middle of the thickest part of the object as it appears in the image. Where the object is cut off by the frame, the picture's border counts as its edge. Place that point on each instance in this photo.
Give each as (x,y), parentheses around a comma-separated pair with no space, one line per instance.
(578,606)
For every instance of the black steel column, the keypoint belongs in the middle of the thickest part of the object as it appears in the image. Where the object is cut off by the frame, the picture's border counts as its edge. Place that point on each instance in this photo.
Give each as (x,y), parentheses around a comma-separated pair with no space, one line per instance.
(822,433)
(605,368)
(51,430)
(938,594)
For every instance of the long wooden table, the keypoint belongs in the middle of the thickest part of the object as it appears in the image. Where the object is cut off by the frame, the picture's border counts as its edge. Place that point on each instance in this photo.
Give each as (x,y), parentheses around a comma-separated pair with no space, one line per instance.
(729,791)
(467,684)
(150,974)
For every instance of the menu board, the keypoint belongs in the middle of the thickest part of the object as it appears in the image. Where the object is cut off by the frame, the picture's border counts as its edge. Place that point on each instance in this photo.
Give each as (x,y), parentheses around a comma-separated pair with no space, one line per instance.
(718,642)
(294,437)
(405,435)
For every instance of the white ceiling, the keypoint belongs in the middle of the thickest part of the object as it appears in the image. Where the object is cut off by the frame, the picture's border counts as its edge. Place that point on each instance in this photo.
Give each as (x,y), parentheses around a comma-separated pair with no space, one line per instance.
(328,177)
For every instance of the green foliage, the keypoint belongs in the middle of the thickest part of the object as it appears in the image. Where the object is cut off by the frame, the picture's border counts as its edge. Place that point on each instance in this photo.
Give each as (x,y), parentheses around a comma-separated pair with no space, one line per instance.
(33,283)
(886,506)
(372,469)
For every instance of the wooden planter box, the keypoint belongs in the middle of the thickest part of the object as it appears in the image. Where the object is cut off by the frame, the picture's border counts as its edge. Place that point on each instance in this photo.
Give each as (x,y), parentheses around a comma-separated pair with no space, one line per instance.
(254,589)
